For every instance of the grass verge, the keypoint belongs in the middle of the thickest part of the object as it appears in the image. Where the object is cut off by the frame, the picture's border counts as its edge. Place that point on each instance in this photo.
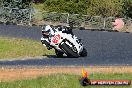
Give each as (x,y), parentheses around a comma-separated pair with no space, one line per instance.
(64,81)
(21,48)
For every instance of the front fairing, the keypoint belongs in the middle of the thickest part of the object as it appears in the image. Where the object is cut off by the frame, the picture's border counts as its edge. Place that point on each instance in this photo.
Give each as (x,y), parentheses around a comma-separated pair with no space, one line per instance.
(72,38)
(56,39)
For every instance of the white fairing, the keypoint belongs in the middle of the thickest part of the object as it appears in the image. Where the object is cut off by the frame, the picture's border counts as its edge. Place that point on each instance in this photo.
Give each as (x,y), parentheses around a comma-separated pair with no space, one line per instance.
(58,37)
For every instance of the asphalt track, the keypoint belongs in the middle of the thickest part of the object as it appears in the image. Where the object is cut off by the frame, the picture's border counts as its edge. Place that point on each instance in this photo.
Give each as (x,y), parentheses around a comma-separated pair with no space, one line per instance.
(104,48)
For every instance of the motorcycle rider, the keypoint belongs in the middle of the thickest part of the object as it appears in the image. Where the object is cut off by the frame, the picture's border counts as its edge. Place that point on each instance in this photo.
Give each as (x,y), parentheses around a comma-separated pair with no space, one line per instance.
(48,33)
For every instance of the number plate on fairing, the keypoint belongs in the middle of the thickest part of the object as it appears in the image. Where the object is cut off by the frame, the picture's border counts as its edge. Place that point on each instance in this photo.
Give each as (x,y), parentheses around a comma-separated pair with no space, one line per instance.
(56,39)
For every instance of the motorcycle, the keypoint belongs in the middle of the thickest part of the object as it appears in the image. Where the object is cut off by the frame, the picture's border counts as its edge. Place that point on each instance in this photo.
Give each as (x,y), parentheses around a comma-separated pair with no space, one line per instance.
(65,43)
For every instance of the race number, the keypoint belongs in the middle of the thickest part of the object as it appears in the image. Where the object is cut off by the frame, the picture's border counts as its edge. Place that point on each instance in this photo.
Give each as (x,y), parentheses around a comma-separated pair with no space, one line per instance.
(56,39)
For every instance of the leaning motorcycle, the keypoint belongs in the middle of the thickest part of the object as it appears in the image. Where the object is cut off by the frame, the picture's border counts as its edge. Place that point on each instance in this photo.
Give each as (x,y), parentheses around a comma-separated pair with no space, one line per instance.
(68,44)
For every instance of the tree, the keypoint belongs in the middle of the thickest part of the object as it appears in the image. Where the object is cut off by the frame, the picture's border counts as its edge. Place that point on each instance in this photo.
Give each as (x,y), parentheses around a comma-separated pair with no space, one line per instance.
(102,8)
(105,7)
(127,8)
(69,6)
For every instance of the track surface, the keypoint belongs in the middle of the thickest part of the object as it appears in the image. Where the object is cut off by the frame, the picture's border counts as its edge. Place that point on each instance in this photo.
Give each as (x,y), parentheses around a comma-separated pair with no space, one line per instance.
(104,48)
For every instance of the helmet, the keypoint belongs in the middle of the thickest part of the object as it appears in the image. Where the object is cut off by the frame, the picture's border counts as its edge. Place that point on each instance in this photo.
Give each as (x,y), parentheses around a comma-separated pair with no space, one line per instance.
(46,31)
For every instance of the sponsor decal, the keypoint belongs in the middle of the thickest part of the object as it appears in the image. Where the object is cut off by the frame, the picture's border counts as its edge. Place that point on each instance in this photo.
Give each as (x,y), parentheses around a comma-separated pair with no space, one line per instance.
(85,81)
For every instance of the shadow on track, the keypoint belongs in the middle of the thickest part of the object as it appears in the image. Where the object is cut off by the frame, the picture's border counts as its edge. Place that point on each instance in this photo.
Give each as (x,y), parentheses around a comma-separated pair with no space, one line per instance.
(54,56)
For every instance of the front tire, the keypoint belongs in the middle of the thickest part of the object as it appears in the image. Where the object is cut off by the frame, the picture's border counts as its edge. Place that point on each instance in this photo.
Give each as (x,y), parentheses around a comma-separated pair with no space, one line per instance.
(69,50)
(58,53)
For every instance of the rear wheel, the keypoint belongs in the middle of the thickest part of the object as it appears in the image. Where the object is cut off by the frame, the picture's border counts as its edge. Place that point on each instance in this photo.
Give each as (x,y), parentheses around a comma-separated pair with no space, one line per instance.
(69,50)
(83,53)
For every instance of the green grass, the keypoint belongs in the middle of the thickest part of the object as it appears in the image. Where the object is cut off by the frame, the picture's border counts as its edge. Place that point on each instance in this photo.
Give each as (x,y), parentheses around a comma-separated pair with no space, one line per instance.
(16,48)
(63,81)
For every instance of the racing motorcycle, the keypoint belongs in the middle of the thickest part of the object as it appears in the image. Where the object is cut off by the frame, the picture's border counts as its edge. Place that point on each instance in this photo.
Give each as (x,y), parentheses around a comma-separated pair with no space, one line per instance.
(65,43)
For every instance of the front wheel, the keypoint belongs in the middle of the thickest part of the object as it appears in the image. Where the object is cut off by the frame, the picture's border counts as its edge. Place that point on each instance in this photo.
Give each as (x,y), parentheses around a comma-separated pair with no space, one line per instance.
(69,51)
(58,53)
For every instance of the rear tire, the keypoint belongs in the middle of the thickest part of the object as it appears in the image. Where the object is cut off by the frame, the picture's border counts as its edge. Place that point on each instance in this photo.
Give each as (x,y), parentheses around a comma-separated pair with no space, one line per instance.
(69,51)
(83,53)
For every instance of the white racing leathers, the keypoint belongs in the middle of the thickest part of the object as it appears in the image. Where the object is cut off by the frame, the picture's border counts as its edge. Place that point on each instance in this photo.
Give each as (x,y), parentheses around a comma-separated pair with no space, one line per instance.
(66,43)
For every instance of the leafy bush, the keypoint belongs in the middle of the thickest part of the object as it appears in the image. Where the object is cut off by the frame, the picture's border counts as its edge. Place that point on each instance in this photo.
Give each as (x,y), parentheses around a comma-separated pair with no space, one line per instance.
(103,8)
(127,8)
